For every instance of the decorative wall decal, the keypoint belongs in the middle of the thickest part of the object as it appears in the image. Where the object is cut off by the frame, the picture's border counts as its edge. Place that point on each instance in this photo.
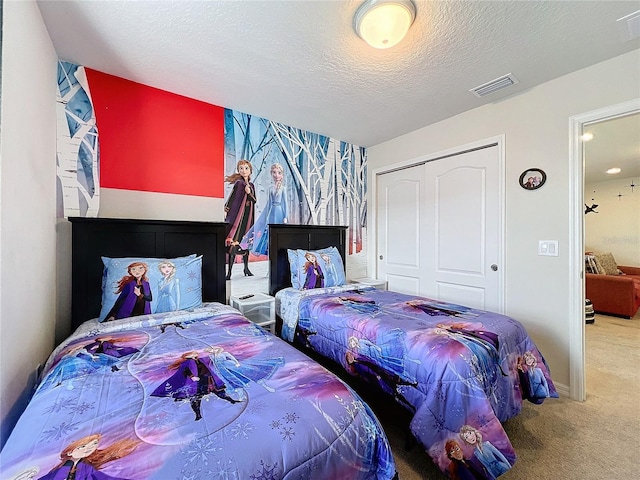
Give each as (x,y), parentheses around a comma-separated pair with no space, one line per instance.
(532,179)
(78,189)
(592,208)
(321,180)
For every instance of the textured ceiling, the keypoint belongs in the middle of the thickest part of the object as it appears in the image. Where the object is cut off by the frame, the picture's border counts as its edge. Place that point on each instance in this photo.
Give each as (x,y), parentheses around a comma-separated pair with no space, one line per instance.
(301,63)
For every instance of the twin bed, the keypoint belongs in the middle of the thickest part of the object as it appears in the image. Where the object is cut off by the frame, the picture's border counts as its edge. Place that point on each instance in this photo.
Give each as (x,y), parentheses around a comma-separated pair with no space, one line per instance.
(460,372)
(186,387)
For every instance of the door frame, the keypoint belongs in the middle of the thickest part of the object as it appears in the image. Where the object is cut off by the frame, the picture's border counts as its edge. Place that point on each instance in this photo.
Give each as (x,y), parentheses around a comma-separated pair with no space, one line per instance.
(372,233)
(577,367)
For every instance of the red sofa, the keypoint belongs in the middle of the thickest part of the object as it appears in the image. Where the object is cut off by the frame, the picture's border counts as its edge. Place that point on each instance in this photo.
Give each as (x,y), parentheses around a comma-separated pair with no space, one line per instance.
(615,294)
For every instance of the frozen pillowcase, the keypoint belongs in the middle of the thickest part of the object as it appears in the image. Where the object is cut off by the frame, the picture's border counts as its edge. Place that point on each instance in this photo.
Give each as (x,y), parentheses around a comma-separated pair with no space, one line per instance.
(166,285)
(328,270)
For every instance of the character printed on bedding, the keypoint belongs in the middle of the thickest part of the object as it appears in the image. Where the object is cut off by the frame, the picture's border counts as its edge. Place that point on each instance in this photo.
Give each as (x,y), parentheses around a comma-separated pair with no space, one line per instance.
(108,352)
(239,215)
(533,383)
(494,462)
(168,288)
(81,360)
(304,330)
(433,308)
(75,364)
(381,363)
(314,275)
(462,468)
(192,380)
(135,294)
(237,375)
(359,304)
(483,346)
(331,274)
(82,460)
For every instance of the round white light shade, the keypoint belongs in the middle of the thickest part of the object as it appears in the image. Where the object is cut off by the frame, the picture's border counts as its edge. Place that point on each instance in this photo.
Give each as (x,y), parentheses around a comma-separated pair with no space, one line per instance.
(383,23)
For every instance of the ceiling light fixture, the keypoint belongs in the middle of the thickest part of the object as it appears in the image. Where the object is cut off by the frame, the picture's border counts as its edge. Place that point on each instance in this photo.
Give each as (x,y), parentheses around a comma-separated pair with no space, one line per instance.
(384,23)
(614,170)
(587,137)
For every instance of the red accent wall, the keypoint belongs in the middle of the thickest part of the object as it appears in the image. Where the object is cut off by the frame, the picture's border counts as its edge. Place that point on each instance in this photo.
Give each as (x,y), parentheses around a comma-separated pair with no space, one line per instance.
(156,141)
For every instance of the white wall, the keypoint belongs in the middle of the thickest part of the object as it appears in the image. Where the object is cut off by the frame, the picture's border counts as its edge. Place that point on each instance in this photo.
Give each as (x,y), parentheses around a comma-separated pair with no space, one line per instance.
(27,204)
(536,126)
(116,203)
(616,226)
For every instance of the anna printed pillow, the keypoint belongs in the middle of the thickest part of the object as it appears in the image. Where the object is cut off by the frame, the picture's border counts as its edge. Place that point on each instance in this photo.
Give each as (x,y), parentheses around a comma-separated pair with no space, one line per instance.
(137,286)
(316,268)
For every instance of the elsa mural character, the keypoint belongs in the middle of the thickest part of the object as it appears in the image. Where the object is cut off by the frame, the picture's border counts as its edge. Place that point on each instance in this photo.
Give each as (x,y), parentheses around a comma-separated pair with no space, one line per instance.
(168,288)
(275,211)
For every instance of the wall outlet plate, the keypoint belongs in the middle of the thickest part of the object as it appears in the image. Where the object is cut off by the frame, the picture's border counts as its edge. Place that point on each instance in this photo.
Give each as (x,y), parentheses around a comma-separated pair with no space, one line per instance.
(548,248)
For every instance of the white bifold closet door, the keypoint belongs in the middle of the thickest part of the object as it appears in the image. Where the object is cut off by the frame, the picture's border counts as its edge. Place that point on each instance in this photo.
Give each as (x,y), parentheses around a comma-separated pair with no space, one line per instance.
(439,229)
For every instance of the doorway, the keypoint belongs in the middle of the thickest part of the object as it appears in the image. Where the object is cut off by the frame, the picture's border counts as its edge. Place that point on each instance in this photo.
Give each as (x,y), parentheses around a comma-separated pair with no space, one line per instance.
(577,126)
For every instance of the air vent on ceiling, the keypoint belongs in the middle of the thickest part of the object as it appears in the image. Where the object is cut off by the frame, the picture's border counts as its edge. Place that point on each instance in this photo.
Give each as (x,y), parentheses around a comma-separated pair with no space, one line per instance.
(494,85)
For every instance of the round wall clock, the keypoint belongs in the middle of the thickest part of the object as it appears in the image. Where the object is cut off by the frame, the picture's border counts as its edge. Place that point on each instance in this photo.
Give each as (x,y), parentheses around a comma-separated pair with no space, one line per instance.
(532,179)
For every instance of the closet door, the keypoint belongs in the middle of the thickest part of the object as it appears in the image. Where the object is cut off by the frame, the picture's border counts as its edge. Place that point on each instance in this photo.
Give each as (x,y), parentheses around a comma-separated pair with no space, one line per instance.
(400,204)
(464,244)
(439,229)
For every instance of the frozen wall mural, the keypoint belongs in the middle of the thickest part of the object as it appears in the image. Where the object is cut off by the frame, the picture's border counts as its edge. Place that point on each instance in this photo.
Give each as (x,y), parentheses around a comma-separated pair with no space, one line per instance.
(77,145)
(298,177)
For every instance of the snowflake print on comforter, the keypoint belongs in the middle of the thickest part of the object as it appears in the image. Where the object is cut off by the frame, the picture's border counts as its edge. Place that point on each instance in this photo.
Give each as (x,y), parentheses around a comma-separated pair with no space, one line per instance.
(199,395)
(460,371)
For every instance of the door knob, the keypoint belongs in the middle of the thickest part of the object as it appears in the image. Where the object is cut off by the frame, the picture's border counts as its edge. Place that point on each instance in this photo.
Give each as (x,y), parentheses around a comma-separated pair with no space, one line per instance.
(381,257)
(494,267)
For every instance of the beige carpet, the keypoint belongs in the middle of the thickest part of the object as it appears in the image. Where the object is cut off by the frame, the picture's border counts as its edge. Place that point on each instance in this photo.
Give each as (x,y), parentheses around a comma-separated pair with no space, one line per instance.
(562,439)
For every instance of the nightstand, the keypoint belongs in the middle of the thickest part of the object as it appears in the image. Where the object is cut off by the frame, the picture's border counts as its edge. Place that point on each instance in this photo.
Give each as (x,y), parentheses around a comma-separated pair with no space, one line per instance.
(374,282)
(260,308)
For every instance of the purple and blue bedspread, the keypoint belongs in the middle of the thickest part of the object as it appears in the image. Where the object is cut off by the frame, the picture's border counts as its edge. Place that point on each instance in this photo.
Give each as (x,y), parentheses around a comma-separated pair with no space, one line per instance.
(191,395)
(460,371)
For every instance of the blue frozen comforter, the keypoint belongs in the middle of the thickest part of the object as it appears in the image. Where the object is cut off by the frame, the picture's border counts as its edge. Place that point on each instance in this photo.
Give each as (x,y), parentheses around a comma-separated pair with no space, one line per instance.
(199,395)
(460,371)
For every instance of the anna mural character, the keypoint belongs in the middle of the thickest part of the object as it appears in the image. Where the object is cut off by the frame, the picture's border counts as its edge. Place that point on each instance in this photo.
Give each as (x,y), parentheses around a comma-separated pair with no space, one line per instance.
(82,460)
(192,380)
(135,293)
(239,214)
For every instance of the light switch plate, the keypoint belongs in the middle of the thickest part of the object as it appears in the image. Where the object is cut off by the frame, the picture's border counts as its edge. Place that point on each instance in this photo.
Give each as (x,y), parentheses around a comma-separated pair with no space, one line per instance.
(548,248)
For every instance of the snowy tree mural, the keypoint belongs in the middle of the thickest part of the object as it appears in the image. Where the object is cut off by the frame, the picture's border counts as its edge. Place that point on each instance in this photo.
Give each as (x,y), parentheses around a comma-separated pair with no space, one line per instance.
(325,179)
(77,145)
